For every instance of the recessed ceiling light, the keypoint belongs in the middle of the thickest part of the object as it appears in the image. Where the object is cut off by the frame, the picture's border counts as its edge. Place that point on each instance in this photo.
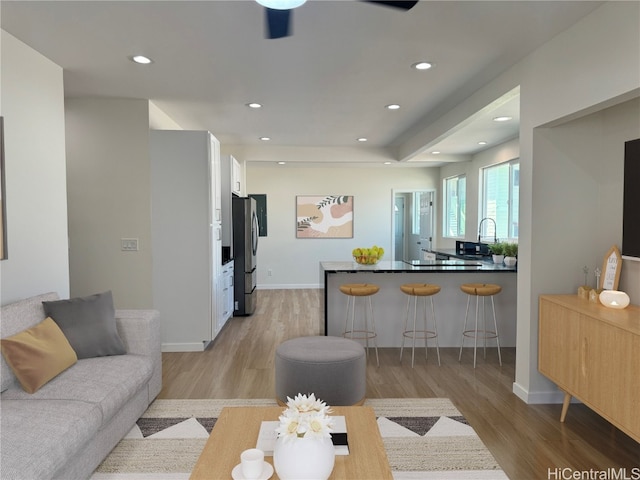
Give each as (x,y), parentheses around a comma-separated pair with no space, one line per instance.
(422,65)
(265,139)
(282,163)
(435,152)
(141,59)
(482,142)
(393,106)
(254,105)
(502,119)
(387,163)
(362,139)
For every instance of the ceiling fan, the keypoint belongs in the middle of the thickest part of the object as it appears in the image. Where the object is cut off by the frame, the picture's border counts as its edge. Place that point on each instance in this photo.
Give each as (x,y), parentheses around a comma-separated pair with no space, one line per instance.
(278,13)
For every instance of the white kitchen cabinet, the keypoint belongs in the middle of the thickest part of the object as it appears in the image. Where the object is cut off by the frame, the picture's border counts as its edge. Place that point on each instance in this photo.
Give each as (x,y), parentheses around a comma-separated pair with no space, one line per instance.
(216,180)
(231,184)
(237,186)
(226,303)
(186,236)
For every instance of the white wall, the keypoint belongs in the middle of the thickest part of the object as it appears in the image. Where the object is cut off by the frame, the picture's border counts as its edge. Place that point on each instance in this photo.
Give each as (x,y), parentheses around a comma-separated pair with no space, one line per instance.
(158,120)
(109,189)
(33,111)
(294,263)
(584,174)
(578,205)
(558,81)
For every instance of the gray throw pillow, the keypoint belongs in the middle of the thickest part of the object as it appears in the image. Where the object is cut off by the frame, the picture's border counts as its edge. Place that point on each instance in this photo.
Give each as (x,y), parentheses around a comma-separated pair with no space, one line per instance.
(89,323)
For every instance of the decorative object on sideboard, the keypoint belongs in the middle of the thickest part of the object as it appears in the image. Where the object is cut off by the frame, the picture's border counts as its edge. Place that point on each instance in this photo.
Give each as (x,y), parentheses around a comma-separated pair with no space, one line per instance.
(611,267)
(594,294)
(584,289)
(614,299)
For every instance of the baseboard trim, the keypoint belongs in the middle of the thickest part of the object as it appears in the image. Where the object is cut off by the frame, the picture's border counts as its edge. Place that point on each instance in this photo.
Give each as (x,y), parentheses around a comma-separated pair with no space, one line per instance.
(541,397)
(520,392)
(183,347)
(286,286)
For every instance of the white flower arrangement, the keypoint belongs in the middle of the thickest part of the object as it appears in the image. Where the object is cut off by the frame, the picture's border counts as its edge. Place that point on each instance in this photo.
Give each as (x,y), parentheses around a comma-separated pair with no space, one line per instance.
(305,417)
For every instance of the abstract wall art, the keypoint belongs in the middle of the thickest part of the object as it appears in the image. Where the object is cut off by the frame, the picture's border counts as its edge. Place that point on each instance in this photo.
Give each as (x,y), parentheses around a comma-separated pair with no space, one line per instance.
(324,216)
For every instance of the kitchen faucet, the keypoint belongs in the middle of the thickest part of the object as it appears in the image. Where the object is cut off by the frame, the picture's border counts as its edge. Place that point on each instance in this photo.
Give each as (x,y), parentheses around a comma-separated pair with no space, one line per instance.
(495,230)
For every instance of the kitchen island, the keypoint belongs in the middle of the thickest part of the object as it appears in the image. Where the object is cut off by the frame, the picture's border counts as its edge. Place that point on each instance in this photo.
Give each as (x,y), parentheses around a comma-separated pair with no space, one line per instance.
(389,303)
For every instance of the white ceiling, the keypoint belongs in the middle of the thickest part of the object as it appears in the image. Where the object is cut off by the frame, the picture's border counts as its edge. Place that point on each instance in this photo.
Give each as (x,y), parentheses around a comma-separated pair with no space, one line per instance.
(326,85)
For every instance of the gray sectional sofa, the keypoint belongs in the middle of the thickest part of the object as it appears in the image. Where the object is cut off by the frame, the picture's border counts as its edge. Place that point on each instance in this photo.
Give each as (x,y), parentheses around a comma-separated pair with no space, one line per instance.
(67,427)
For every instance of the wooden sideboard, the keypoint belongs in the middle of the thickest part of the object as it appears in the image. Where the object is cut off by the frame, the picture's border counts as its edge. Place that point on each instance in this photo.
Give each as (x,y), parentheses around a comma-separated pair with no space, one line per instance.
(593,353)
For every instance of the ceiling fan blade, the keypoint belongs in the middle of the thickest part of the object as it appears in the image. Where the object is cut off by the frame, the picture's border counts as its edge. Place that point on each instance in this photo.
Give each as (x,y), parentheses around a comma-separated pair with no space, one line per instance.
(277,23)
(396,4)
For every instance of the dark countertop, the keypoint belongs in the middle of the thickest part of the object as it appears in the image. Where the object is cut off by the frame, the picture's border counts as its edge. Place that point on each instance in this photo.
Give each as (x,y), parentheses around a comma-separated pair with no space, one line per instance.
(385,266)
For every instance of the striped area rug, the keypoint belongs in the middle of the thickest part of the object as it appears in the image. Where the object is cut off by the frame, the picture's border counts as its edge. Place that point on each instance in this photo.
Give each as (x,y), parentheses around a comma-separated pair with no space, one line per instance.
(425,438)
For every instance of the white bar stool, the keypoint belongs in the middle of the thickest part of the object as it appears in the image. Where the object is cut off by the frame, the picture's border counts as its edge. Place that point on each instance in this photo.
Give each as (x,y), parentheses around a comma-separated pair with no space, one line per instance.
(364,291)
(423,291)
(480,290)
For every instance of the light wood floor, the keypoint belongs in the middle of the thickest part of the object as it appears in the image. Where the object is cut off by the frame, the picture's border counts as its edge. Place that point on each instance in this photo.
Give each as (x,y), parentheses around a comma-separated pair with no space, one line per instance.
(526,440)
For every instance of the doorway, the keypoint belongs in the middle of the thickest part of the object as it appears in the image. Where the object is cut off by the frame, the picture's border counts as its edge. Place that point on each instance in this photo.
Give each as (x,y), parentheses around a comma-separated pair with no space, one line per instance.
(412,228)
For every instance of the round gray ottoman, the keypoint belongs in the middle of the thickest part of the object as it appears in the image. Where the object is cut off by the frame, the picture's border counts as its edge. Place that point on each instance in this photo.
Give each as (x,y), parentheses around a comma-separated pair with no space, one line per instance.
(332,368)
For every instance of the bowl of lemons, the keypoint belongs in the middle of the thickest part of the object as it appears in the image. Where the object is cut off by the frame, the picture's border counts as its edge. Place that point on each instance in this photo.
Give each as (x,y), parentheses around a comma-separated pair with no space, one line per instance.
(368,256)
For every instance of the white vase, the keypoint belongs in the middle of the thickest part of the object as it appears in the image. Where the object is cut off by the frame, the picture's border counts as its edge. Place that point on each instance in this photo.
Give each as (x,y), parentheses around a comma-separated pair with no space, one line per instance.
(498,258)
(510,261)
(304,458)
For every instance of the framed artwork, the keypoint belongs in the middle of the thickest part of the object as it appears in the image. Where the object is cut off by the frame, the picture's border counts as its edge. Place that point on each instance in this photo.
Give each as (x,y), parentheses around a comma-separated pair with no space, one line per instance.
(3,204)
(611,267)
(324,216)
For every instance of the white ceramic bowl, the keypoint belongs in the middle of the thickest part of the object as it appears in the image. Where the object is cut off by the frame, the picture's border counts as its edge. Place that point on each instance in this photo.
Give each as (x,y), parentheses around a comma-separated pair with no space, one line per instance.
(614,299)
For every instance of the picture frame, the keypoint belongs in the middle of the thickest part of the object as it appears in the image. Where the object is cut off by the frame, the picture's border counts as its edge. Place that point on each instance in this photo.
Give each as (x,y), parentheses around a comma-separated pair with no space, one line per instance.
(611,268)
(324,216)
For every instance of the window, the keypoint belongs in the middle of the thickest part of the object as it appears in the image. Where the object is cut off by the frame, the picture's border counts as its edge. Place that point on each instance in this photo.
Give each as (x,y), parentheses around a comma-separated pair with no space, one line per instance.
(455,204)
(421,213)
(500,200)
(415,213)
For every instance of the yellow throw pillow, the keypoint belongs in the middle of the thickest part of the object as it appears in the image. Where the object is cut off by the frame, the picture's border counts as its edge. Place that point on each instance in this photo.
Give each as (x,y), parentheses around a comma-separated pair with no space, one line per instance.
(38,354)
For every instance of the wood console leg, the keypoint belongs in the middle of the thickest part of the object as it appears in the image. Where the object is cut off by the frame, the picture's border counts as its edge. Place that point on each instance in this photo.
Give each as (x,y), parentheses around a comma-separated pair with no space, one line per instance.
(565,406)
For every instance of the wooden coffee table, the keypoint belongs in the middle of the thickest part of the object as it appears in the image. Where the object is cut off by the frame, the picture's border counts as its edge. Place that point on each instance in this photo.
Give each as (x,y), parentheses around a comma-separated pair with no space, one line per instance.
(237,429)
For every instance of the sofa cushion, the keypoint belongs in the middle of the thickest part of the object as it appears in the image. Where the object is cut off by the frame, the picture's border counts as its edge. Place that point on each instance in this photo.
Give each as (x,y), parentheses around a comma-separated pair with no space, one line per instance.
(38,354)
(89,323)
(108,382)
(16,317)
(39,436)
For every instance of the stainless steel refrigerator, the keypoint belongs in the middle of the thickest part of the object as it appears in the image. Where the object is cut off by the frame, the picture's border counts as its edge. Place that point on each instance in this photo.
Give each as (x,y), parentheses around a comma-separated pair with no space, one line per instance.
(245,249)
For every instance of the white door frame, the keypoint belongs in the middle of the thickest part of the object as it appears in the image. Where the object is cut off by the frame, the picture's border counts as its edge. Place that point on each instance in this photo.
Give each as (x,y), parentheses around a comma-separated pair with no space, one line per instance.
(398,191)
